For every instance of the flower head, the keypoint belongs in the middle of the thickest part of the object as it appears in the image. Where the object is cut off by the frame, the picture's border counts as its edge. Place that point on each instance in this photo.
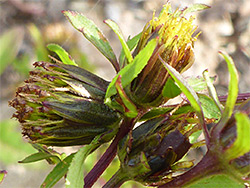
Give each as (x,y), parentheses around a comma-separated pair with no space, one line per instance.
(63,105)
(175,46)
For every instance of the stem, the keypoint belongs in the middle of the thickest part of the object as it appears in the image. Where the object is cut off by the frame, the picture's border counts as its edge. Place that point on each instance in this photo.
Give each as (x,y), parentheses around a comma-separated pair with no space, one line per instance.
(117,179)
(209,165)
(109,154)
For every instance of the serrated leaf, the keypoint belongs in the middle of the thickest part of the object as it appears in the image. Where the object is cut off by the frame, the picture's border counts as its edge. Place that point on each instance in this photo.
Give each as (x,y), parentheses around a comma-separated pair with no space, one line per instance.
(131,110)
(118,32)
(63,55)
(93,34)
(209,107)
(10,42)
(186,89)
(37,157)
(75,174)
(195,8)
(58,172)
(241,144)
(170,90)
(198,83)
(131,71)
(217,181)
(193,138)
(131,44)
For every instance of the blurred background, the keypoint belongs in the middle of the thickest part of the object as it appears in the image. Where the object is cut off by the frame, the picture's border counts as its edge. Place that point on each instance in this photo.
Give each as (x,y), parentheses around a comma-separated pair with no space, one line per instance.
(27,26)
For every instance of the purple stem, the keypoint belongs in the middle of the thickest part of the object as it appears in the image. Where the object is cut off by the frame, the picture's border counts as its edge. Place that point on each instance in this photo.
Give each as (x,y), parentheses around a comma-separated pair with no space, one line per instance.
(108,156)
(209,165)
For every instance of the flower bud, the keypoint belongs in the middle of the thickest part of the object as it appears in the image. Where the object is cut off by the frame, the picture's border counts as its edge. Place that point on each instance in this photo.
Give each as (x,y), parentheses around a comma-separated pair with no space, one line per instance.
(156,145)
(62,105)
(175,46)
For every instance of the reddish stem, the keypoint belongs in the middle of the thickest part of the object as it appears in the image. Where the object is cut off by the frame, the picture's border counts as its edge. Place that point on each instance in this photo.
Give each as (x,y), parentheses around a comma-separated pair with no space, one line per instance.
(208,166)
(108,156)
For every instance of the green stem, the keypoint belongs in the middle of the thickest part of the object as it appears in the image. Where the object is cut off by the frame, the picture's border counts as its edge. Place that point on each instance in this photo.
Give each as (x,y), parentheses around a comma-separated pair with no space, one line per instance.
(208,166)
(117,180)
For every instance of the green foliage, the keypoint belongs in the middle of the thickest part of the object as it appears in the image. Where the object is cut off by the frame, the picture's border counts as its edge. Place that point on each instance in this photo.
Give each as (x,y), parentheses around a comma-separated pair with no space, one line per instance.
(75,174)
(2,175)
(170,89)
(131,45)
(118,32)
(187,90)
(217,181)
(167,128)
(10,42)
(63,55)
(58,172)
(131,71)
(241,144)
(93,34)
(16,145)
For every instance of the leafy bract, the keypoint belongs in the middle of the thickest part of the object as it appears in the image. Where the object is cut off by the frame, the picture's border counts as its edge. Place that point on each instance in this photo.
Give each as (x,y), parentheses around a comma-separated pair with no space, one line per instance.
(131,110)
(186,89)
(131,71)
(154,112)
(131,44)
(63,55)
(58,172)
(93,34)
(75,174)
(37,157)
(118,32)
(170,90)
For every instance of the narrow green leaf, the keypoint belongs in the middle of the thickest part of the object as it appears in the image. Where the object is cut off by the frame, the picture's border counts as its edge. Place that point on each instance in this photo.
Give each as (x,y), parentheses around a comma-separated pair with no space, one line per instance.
(131,110)
(232,92)
(211,89)
(3,174)
(58,172)
(93,34)
(170,89)
(186,89)
(10,42)
(118,32)
(195,8)
(37,157)
(154,112)
(63,55)
(38,41)
(241,144)
(75,175)
(131,71)
(131,44)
